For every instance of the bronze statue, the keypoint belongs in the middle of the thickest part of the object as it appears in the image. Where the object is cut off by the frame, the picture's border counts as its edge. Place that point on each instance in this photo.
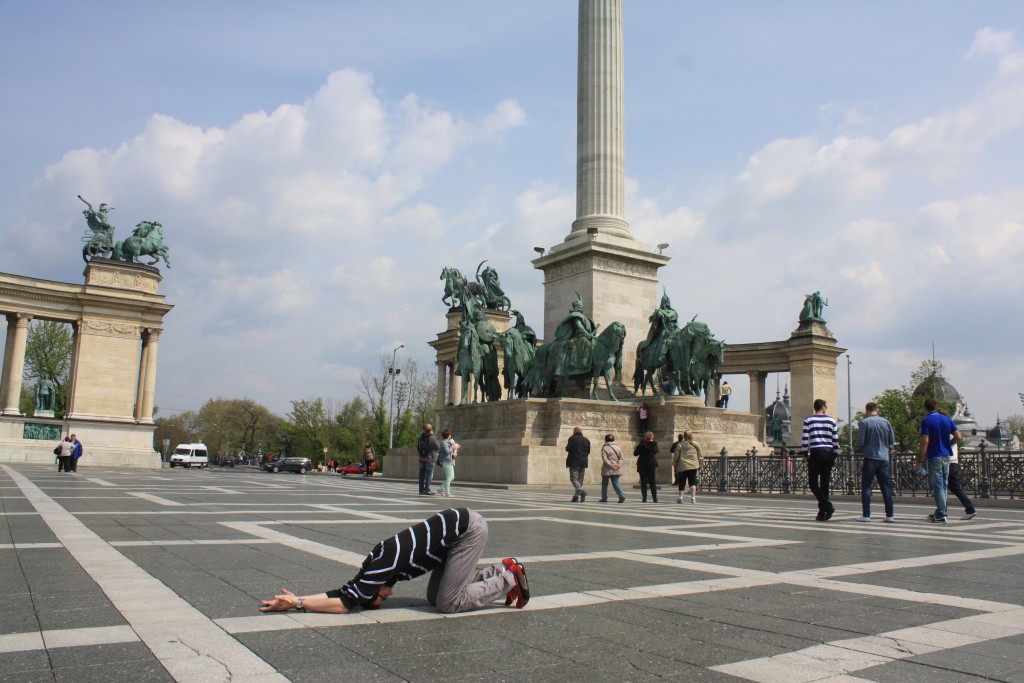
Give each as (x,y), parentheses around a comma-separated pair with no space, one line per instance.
(694,355)
(99,237)
(813,308)
(518,356)
(576,333)
(147,239)
(527,333)
(651,352)
(486,291)
(46,395)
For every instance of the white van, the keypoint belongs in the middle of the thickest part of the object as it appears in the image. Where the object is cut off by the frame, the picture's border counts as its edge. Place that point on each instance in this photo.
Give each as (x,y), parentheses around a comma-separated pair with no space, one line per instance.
(189,454)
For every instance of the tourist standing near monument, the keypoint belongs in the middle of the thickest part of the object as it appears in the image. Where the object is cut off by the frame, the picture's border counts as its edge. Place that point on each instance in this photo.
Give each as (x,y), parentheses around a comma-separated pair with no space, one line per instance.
(77,454)
(938,433)
(428,448)
(64,453)
(820,442)
(646,454)
(368,459)
(875,437)
(725,392)
(643,413)
(611,468)
(446,459)
(686,461)
(578,450)
(447,544)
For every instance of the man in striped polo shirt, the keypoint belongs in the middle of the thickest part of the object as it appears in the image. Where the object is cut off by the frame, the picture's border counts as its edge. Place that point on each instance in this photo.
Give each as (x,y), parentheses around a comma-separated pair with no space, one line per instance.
(821,444)
(448,545)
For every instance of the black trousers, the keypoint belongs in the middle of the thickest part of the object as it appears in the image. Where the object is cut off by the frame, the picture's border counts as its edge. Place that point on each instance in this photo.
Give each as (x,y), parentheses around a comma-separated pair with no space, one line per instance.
(819,476)
(648,477)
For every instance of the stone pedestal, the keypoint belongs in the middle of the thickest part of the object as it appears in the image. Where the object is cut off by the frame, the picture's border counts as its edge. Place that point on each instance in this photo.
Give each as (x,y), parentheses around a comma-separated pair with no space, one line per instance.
(523,441)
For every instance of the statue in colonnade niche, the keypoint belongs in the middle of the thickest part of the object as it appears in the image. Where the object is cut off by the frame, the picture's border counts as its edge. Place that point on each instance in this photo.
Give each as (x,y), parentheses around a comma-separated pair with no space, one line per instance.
(651,353)
(46,395)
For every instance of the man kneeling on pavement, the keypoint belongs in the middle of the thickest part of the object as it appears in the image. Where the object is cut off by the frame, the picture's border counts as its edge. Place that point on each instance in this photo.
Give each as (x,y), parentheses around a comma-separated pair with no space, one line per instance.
(448,545)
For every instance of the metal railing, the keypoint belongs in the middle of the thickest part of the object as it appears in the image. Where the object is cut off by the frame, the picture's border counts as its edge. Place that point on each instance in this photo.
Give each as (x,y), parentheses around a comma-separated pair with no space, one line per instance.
(984,473)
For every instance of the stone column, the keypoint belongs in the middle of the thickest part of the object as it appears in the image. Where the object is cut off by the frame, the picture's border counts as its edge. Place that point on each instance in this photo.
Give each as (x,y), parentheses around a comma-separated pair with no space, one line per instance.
(14,363)
(8,350)
(757,400)
(600,134)
(442,371)
(454,386)
(140,390)
(149,353)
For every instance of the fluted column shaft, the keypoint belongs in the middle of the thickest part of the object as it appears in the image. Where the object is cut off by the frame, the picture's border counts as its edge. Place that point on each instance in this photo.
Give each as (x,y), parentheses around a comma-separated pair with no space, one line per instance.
(600,136)
(14,361)
(152,339)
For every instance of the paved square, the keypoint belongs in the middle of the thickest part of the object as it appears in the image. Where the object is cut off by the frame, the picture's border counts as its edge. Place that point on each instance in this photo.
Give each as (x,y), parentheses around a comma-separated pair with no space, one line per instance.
(129,576)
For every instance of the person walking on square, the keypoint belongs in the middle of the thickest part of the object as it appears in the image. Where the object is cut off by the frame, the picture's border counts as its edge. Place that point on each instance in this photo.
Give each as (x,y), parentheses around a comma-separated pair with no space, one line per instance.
(369,457)
(954,484)
(646,454)
(446,459)
(875,437)
(611,468)
(77,454)
(449,545)
(820,442)
(64,455)
(428,448)
(938,434)
(578,450)
(686,462)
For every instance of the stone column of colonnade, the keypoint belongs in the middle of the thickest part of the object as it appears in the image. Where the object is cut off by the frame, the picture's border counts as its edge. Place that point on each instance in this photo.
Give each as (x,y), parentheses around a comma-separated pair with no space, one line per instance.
(147,376)
(600,134)
(442,377)
(757,378)
(454,386)
(14,362)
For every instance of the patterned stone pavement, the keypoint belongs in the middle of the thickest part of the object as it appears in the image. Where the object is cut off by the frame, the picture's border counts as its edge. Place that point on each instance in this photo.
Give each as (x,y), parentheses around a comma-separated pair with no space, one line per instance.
(140,576)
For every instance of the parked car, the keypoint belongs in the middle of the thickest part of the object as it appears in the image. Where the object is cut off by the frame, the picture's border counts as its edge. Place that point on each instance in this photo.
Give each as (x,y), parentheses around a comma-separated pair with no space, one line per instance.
(190,455)
(289,464)
(228,460)
(357,468)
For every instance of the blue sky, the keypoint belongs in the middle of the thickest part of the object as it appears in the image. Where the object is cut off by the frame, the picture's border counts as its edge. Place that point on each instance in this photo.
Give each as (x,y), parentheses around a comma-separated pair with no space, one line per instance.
(315,164)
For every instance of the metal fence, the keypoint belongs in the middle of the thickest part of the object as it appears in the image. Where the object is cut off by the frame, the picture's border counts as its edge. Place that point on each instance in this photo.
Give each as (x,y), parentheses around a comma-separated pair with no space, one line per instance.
(983,474)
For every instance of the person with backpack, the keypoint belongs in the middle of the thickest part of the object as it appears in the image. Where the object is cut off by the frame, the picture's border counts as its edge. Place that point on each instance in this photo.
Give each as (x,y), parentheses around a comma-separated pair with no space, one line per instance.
(427,447)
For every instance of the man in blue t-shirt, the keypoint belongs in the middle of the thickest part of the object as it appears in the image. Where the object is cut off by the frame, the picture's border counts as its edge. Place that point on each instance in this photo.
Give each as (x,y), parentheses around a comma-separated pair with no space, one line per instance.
(938,433)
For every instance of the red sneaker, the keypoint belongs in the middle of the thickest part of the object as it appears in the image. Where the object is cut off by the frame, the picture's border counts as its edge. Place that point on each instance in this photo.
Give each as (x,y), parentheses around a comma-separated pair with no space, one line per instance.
(522,586)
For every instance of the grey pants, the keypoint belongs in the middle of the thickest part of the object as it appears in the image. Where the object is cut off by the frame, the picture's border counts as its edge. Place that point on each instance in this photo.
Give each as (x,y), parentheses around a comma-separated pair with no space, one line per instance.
(576,475)
(457,585)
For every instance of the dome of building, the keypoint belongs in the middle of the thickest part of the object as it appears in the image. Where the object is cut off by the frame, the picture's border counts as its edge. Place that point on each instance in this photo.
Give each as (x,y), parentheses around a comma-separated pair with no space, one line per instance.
(944,391)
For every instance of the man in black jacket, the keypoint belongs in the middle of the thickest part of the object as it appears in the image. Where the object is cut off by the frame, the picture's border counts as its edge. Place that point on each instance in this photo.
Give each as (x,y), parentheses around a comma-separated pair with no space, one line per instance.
(578,449)
(448,545)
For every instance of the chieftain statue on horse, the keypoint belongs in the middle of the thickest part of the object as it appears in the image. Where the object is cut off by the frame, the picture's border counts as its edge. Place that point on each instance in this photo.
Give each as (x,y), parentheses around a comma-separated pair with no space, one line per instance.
(147,239)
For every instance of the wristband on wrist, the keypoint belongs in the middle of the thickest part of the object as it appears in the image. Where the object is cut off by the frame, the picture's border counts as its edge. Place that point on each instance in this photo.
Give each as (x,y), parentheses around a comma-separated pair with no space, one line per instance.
(298,605)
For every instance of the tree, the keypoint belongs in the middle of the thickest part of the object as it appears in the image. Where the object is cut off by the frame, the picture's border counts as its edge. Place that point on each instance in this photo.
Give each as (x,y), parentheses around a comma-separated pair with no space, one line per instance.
(48,356)
(413,402)
(1015,423)
(904,407)
(230,425)
(311,428)
(181,428)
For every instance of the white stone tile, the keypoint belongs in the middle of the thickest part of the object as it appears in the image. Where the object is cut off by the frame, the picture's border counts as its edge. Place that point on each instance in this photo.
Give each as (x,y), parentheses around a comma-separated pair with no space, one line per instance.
(21,642)
(101,635)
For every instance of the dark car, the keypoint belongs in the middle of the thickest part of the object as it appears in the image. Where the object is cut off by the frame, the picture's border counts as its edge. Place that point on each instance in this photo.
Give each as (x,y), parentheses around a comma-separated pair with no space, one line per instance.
(228,460)
(289,464)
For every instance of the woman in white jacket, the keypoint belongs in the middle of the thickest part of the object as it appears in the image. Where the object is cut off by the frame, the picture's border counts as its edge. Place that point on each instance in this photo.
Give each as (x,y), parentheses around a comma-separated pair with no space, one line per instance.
(611,468)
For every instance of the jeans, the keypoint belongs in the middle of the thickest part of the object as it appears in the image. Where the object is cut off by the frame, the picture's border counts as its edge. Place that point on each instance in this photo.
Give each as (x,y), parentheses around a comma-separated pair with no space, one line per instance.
(874,468)
(938,476)
(576,479)
(819,477)
(615,484)
(449,475)
(426,475)
(957,490)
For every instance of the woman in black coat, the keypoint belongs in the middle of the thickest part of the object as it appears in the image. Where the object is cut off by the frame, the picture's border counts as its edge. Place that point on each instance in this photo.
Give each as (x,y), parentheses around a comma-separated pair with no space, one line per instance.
(646,454)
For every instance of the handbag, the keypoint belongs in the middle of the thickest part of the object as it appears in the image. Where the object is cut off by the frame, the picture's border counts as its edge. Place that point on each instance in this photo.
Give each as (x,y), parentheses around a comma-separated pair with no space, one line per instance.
(56,451)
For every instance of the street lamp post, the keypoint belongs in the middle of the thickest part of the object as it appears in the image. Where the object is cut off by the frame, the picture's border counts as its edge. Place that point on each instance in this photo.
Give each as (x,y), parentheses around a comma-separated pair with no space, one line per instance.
(393,372)
(849,431)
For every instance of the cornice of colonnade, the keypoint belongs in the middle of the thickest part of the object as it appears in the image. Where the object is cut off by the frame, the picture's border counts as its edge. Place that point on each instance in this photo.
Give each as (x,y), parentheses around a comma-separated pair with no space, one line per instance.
(67,302)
